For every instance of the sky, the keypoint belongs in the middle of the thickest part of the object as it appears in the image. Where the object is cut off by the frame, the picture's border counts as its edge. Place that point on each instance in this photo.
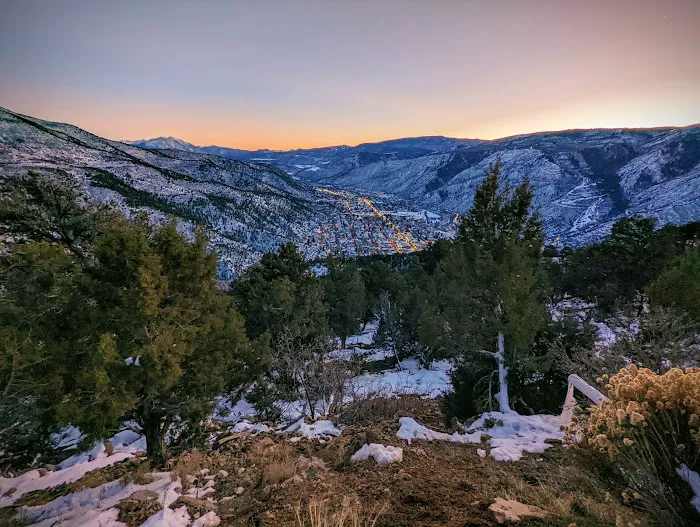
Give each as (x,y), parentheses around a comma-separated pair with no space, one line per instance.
(306,73)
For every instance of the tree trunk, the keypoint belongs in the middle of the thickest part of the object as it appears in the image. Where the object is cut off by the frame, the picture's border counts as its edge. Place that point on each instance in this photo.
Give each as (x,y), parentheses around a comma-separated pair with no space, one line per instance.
(155,440)
(502,395)
(343,342)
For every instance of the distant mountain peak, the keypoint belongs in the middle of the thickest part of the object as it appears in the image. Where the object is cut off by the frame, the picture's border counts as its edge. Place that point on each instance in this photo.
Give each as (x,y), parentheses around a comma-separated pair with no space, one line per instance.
(163,143)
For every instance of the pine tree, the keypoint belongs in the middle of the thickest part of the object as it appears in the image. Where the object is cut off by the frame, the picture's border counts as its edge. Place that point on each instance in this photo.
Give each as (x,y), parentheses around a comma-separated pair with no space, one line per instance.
(490,286)
(378,279)
(283,303)
(345,297)
(127,323)
(279,293)
(615,272)
(679,286)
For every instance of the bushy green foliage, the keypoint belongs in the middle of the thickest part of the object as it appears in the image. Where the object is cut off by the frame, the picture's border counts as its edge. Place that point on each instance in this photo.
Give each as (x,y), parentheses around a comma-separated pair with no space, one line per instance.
(665,338)
(50,209)
(345,297)
(490,282)
(86,309)
(279,293)
(679,285)
(617,270)
(378,277)
(284,302)
(540,383)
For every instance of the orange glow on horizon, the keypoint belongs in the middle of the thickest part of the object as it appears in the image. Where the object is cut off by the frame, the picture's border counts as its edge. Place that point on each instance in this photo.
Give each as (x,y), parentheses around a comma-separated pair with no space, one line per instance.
(315,73)
(141,120)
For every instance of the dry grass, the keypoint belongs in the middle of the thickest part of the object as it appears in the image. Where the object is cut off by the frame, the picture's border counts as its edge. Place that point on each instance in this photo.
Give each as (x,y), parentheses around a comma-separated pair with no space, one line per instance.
(569,486)
(188,466)
(141,476)
(279,464)
(349,513)
(376,409)
(438,483)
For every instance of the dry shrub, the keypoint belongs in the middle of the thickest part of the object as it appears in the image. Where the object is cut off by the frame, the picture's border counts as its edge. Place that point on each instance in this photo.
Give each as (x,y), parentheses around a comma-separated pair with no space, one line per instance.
(649,427)
(349,513)
(652,415)
(303,367)
(378,408)
(278,464)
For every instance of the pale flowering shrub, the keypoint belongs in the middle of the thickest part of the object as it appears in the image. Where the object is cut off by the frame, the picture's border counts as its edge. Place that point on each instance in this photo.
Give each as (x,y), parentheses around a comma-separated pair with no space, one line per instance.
(649,426)
(645,407)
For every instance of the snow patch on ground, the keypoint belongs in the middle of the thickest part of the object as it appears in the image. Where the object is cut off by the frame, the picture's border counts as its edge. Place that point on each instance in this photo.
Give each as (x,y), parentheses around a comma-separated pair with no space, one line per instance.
(253,428)
(66,439)
(365,354)
(33,480)
(510,437)
(227,412)
(608,332)
(411,380)
(126,441)
(383,455)
(322,430)
(169,518)
(692,478)
(606,337)
(366,337)
(210,519)
(93,506)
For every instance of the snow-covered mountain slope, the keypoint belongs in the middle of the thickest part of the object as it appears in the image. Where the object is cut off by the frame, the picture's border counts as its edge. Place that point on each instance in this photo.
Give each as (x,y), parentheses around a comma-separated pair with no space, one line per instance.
(584,179)
(163,143)
(248,208)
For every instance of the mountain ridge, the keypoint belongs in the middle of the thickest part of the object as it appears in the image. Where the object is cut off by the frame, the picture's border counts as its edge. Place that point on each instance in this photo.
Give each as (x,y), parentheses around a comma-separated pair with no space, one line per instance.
(584,178)
(148,142)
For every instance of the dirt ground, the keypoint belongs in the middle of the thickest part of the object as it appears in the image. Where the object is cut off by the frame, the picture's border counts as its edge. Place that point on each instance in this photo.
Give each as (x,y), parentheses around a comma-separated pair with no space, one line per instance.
(437,483)
(268,480)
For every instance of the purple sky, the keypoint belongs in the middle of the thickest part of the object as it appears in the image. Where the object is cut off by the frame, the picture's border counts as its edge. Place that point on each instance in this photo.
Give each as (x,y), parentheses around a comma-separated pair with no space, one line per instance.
(313,73)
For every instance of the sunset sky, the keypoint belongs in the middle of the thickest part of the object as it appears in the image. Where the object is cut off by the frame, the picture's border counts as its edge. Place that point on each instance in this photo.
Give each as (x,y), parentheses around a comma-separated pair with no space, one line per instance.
(316,73)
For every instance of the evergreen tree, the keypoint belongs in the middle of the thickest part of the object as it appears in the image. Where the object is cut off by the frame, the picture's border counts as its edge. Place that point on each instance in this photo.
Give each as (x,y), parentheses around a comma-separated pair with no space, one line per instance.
(378,278)
(39,312)
(616,271)
(345,297)
(283,303)
(279,293)
(165,308)
(48,208)
(129,326)
(679,286)
(490,286)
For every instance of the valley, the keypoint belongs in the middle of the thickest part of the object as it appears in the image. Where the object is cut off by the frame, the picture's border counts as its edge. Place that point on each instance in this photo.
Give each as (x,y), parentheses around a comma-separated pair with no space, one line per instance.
(584,180)
(247,207)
